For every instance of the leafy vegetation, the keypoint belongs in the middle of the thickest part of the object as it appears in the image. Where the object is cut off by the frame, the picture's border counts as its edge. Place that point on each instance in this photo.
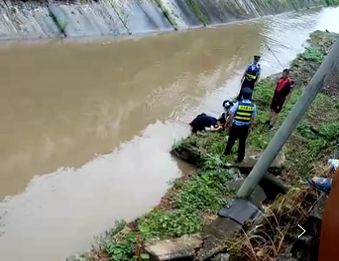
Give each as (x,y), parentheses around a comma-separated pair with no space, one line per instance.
(332,2)
(197,196)
(314,55)
(167,14)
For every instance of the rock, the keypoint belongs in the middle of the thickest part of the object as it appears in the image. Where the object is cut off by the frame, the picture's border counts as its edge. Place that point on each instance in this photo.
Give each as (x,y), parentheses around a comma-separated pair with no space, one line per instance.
(183,247)
(235,173)
(272,186)
(239,210)
(318,209)
(276,167)
(258,195)
(215,234)
(188,153)
(222,257)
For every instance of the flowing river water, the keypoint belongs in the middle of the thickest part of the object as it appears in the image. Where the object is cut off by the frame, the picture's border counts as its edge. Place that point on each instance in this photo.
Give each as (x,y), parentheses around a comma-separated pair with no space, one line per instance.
(86,127)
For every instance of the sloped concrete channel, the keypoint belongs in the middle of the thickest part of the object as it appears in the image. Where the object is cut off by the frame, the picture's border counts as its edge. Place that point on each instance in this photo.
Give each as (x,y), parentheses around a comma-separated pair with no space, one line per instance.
(78,121)
(61,18)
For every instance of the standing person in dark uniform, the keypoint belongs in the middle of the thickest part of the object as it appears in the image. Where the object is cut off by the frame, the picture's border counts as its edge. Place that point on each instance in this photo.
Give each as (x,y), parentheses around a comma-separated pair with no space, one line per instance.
(251,75)
(241,117)
(282,93)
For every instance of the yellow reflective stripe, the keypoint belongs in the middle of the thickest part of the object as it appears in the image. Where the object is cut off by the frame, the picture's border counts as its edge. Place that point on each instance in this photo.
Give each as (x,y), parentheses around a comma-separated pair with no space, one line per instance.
(253,77)
(242,118)
(248,114)
(246,108)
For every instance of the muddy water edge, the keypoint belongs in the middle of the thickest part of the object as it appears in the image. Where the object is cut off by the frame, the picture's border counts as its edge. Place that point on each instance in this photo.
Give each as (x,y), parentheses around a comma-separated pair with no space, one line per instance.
(86,127)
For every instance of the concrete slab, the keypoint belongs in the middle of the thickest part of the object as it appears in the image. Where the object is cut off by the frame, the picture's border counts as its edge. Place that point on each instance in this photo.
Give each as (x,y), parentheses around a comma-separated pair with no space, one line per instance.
(183,247)
(215,235)
(239,210)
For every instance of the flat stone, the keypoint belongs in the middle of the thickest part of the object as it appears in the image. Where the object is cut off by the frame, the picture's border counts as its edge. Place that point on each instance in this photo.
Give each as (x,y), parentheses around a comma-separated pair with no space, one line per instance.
(318,209)
(258,195)
(222,257)
(222,228)
(278,162)
(247,165)
(215,235)
(239,210)
(183,247)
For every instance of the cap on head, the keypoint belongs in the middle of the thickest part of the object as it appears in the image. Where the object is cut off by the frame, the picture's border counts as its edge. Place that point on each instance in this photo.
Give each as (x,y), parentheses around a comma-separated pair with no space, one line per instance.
(286,71)
(257,57)
(227,104)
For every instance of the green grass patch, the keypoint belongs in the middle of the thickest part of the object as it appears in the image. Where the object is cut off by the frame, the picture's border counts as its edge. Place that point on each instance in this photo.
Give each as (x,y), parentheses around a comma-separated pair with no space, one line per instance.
(314,55)
(204,193)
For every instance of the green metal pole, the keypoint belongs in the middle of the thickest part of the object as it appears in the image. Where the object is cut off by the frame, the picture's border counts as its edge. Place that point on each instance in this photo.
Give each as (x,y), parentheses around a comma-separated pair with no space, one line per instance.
(329,66)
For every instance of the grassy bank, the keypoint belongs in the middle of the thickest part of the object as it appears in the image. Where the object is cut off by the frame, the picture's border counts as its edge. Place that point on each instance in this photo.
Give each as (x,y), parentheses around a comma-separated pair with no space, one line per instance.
(194,199)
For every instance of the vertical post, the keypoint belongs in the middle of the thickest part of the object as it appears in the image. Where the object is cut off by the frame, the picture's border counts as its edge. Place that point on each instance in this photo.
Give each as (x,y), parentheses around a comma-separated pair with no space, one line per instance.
(330,65)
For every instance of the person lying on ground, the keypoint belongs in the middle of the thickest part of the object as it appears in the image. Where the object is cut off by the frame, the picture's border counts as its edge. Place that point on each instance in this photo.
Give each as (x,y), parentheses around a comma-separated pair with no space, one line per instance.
(204,122)
(282,93)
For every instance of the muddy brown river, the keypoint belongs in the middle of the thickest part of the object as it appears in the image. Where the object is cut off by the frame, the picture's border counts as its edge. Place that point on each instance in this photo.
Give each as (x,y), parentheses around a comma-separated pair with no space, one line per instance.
(86,126)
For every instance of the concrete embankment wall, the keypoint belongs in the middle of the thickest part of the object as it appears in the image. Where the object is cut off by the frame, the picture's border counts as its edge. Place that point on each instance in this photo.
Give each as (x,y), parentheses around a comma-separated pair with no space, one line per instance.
(54,18)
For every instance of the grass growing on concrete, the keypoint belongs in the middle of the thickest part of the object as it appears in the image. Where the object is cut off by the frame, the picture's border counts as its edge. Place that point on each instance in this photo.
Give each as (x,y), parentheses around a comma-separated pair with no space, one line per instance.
(167,14)
(194,198)
(197,10)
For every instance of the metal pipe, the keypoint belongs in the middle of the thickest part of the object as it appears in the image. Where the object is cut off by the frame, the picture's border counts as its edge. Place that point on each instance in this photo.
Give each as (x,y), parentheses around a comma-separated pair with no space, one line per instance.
(330,65)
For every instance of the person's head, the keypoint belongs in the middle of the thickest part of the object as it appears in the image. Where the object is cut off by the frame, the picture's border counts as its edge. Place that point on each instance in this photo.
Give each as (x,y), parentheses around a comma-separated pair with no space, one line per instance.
(256,59)
(285,73)
(227,104)
(246,93)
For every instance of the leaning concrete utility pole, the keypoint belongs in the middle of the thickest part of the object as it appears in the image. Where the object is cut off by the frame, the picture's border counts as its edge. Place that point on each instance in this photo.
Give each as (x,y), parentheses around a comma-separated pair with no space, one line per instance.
(329,66)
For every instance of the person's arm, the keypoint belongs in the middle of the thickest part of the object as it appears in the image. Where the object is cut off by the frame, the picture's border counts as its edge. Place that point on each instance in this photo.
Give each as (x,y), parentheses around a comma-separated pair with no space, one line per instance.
(229,120)
(253,121)
(291,90)
(258,77)
(243,76)
(230,117)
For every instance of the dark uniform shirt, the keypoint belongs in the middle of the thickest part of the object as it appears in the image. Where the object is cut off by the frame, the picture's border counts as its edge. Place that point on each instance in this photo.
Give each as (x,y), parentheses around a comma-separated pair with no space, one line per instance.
(202,121)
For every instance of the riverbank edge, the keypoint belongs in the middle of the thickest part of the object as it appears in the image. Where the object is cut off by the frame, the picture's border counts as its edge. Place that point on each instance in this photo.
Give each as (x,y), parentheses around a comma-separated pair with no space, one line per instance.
(290,6)
(194,199)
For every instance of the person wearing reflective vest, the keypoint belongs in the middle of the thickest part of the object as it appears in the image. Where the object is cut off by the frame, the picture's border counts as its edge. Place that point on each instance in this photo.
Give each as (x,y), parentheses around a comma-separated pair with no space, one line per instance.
(241,118)
(251,75)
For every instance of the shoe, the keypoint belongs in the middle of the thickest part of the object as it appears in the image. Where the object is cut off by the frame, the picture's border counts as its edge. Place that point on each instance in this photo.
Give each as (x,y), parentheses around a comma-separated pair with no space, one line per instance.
(270,127)
(321,184)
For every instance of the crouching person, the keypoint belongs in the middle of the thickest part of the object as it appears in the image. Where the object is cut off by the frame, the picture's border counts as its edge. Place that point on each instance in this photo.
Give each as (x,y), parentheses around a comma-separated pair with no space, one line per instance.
(241,117)
(204,123)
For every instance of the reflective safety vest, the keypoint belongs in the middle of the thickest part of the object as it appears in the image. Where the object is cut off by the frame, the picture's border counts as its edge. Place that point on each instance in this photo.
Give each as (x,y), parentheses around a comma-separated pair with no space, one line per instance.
(252,72)
(244,112)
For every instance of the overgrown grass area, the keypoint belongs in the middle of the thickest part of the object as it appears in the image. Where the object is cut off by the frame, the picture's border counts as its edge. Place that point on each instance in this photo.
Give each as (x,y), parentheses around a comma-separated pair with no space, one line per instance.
(196,197)
(269,239)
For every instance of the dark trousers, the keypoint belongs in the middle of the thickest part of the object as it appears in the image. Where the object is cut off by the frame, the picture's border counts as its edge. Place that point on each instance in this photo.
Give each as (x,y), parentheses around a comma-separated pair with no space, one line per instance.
(245,83)
(241,133)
